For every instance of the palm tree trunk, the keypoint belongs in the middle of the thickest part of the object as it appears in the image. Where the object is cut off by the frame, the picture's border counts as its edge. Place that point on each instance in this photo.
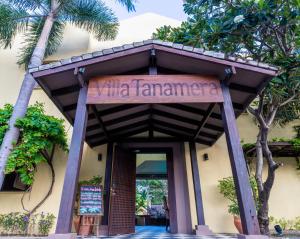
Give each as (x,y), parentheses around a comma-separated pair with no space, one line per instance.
(20,108)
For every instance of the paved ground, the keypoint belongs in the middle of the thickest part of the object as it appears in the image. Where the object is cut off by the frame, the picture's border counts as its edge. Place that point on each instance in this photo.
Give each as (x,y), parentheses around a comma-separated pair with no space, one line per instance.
(156,232)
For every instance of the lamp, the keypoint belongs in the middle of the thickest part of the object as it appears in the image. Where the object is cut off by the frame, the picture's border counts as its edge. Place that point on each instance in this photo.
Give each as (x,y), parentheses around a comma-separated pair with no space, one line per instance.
(205,157)
(99,157)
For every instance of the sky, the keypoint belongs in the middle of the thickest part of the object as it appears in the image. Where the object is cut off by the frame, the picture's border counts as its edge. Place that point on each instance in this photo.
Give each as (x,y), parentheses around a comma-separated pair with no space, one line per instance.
(168,8)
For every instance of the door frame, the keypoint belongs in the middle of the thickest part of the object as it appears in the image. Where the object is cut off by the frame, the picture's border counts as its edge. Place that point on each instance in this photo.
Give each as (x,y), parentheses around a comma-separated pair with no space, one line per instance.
(180,214)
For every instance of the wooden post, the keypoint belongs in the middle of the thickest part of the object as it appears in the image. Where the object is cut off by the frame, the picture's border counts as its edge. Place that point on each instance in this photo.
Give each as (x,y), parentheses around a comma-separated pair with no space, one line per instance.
(64,221)
(238,166)
(197,185)
(107,181)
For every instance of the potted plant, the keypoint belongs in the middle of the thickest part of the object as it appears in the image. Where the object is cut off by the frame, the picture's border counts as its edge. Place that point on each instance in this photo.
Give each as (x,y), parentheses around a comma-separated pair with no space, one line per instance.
(227,189)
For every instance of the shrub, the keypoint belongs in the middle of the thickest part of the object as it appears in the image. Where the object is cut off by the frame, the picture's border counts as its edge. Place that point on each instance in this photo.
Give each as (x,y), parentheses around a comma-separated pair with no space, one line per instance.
(17,223)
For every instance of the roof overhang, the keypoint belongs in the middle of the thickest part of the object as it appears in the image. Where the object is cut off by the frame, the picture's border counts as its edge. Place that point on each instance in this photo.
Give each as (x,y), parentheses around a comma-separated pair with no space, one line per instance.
(175,121)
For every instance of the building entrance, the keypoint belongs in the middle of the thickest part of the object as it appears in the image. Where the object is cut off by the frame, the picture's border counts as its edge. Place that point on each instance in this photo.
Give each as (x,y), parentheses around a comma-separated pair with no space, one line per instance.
(177,94)
(143,188)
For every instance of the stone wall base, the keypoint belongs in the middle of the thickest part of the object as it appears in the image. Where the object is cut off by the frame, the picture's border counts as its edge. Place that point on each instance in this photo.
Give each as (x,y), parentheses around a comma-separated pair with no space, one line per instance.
(241,236)
(203,230)
(63,236)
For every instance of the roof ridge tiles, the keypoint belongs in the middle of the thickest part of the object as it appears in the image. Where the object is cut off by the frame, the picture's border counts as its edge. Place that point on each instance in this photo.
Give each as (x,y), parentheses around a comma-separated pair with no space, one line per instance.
(174,45)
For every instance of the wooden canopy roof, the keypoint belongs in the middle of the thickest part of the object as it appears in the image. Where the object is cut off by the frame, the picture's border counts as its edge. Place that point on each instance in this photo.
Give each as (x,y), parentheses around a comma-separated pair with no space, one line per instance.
(198,122)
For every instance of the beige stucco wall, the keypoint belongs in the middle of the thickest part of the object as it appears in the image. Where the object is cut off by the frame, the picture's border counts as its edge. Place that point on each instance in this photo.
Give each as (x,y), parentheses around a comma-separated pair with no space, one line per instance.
(286,190)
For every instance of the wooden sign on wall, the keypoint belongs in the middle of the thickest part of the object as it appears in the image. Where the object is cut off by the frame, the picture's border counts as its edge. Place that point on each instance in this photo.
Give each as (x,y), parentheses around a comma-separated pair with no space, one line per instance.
(128,89)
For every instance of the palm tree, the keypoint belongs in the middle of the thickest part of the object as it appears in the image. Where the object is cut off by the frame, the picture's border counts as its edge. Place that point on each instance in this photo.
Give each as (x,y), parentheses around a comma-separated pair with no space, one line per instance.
(43,22)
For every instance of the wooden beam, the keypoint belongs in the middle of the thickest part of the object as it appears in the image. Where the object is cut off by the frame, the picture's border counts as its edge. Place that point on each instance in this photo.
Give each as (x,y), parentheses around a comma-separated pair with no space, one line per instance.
(204,119)
(64,221)
(94,109)
(122,135)
(238,166)
(127,117)
(243,88)
(185,130)
(197,184)
(107,181)
(65,90)
(119,130)
(152,71)
(193,110)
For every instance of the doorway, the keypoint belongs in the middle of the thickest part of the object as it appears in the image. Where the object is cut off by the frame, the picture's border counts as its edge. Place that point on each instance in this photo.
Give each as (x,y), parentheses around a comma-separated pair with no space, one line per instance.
(135,162)
(152,212)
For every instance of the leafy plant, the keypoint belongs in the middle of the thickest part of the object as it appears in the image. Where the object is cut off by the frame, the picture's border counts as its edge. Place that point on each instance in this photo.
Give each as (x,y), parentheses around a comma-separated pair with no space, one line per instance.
(5,114)
(264,31)
(14,223)
(286,224)
(43,22)
(17,223)
(45,223)
(95,180)
(227,189)
(39,133)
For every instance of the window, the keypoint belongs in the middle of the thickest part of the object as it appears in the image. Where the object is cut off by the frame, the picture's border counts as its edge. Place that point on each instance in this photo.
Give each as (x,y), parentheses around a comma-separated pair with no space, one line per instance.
(12,182)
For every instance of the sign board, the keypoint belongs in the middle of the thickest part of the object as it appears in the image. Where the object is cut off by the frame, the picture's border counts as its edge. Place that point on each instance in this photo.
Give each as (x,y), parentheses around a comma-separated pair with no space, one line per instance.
(127,89)
(91,200)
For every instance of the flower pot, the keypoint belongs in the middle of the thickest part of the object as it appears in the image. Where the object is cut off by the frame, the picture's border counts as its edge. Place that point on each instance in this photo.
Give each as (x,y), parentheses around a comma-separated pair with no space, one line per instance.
(76,221)
(86,226)
(238,224)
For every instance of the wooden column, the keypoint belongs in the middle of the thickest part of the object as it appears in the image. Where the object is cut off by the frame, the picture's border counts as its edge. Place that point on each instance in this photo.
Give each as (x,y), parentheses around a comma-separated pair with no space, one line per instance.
(238,166)
(197,185)
(107,181)
(64,221)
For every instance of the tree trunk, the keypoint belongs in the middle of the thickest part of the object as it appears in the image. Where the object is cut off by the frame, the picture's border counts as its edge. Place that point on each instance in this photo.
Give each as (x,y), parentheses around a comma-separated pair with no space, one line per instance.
(20,108)
(264,193)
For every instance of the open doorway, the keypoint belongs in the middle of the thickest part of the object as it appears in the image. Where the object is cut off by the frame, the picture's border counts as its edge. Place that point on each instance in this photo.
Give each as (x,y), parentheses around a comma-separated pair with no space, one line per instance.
(152,211)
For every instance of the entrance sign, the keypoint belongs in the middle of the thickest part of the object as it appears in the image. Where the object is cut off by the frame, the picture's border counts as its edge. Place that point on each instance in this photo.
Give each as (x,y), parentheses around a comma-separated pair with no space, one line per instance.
(128,89)
(91,200)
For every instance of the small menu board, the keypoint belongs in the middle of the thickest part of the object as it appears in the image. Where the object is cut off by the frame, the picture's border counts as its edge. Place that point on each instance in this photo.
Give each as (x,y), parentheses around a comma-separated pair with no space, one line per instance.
(91,200)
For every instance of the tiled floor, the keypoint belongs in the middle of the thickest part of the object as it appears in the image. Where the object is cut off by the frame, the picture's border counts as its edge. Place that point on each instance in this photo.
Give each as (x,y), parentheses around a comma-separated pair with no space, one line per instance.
(156,232)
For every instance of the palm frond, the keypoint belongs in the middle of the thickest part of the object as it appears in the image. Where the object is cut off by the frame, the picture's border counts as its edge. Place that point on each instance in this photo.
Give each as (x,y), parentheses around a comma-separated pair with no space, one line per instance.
(32,36)
(91,15)
(30,5)
(129,4)
(12,21)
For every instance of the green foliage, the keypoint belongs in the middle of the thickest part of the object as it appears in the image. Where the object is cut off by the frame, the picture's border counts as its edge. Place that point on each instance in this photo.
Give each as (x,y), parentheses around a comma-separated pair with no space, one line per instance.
(95,180)
(286,224)
(45,223)
(32,35)
(39,133)
(156,189)
(17,223)
(141,201)
(263,30)
(28,16)
(227,189)
(5,114)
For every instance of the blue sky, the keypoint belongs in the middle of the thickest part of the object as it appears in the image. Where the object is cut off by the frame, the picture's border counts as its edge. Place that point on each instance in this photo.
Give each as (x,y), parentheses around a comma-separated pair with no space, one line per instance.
(168,8)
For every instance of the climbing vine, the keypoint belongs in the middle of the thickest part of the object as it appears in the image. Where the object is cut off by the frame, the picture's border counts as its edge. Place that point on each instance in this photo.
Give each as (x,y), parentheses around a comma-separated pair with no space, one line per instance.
(39,134)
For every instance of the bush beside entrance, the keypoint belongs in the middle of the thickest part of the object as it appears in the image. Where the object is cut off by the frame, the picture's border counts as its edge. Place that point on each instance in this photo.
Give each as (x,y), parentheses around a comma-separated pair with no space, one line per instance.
(17,223)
